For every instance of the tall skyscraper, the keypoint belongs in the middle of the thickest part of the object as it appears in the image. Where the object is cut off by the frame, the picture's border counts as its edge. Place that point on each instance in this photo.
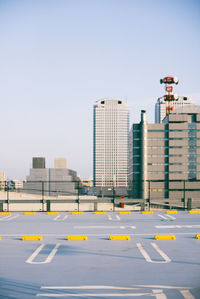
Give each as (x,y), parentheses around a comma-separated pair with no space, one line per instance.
(110,147)
(160,106)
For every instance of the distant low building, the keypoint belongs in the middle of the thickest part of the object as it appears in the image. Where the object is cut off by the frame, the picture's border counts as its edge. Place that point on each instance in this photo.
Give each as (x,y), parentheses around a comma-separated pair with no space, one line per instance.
(2,180)
(51,181)
(87,182)
(18,184)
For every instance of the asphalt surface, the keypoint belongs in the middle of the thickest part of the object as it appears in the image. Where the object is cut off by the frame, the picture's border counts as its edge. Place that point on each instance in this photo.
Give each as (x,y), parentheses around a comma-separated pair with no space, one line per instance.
(98,267)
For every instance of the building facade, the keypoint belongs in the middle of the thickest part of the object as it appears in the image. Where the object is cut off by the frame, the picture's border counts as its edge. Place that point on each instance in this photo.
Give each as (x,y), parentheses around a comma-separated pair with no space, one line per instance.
(110,143)
(51,181)
(160,106)
(2,181)
(165,158)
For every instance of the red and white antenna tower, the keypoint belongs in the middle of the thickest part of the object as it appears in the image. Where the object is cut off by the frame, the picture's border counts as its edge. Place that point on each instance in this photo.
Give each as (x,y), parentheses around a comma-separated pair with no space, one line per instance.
(169,97)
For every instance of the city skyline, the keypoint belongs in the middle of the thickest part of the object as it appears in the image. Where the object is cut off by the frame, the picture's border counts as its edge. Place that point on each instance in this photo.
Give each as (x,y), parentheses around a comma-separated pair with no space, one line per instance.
(58,59)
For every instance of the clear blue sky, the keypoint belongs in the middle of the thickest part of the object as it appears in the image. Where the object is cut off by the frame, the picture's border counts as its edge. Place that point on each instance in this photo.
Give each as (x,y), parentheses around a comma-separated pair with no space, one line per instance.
(58,57)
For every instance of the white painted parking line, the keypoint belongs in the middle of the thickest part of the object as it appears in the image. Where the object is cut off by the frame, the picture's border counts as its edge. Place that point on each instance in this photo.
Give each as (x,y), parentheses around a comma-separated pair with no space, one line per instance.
(96,226)
(167,217)
(164,256)
(88,287)
(172,217)
(178,226)
(13,217)
(59,218)
(156,291)
(4,217)
(102,226)
(186,294)
(8,218)
(85,295)
(162,287)
(159,294)
(49,258)
(163,217)
(109,217)
(147,257)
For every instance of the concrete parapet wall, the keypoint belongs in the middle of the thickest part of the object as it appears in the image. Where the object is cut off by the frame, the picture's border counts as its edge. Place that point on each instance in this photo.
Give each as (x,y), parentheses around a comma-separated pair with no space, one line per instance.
(86,206)
(24,207)
(63,207)
(104,206)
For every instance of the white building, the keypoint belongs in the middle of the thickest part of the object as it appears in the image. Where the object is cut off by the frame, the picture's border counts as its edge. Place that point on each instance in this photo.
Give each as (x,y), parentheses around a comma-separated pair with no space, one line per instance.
(160,106)
(110,147)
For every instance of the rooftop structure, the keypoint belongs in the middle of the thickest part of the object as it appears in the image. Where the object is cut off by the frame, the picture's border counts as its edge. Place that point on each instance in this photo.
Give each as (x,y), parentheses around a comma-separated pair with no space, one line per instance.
(38,162)
(60,163)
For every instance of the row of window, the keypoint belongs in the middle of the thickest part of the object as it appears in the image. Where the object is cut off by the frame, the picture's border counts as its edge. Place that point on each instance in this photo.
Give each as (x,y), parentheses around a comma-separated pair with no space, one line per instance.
(171,130)
(167,172)
(166,139)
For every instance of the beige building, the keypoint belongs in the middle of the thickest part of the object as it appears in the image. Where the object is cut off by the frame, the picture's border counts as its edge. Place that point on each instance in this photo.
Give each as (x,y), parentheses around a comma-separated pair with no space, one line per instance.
(2,180)
(60,163)
(164,158)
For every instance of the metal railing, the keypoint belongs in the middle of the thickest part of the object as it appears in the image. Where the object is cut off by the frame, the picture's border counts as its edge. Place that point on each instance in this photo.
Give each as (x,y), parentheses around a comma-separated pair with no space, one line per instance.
(75,195)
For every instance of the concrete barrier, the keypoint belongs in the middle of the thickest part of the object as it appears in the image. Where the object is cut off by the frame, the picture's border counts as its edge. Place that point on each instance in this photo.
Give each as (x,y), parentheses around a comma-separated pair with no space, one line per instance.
(27,207)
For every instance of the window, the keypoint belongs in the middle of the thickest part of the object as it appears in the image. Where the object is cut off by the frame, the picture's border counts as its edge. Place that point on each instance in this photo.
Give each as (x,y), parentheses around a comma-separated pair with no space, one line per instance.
(156,131)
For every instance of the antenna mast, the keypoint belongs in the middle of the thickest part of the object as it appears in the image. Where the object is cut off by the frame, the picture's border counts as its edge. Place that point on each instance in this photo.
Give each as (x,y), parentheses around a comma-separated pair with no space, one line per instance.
(169,97)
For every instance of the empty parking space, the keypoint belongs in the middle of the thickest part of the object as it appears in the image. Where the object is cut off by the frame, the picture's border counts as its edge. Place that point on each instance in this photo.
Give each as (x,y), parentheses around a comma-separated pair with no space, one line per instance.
(96,267)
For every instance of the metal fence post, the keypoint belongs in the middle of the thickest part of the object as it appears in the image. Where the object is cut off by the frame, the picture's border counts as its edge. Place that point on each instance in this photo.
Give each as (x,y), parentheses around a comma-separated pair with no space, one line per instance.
(149,195)
(113,199)
(184,195)
(8,201)
(78,197)
(43,200)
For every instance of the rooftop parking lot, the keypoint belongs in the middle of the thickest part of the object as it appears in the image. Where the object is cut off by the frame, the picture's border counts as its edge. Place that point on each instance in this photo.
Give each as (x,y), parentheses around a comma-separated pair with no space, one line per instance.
(98,267)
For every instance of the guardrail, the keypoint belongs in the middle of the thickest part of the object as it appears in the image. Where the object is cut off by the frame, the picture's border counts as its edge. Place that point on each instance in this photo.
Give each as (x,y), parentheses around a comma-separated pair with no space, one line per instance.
(93,205)
(70,205)
(74,196)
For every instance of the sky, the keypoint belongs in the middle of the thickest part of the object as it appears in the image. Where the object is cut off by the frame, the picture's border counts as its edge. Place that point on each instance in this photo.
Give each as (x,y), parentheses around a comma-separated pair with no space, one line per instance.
(58,57)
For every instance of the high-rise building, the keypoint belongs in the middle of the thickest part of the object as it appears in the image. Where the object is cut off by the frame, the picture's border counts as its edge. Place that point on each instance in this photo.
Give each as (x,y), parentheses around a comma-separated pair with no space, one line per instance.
(110,147)
(160,106)
(165,157)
